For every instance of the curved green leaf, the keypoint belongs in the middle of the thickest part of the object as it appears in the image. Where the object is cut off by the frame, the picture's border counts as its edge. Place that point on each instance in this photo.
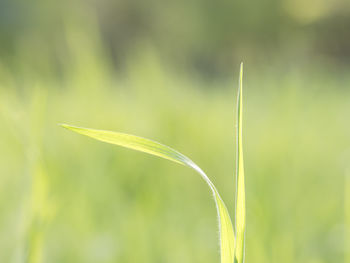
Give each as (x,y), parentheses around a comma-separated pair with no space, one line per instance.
(227,242)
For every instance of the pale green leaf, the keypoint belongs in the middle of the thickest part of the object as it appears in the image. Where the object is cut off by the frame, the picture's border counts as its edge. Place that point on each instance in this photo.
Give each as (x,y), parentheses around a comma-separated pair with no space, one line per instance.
(227,242)
(240,190)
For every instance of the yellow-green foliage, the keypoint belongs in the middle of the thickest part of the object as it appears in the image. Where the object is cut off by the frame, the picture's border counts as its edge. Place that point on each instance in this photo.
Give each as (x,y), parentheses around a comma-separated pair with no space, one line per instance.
(231,251)
(97,203)
(155,148)
(240,189)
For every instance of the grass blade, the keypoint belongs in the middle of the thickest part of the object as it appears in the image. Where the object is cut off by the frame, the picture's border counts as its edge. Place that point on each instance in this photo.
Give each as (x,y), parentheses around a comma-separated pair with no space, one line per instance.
(240,187)
(227,242)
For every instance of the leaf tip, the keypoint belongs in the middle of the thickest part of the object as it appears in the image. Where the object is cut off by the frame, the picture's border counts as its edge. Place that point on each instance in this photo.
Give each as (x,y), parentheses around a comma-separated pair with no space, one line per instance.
(241,74)
(67,126)
(63,125)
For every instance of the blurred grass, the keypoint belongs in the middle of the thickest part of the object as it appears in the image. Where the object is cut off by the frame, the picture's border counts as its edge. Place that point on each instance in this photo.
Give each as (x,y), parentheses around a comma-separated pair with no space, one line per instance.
(79,200)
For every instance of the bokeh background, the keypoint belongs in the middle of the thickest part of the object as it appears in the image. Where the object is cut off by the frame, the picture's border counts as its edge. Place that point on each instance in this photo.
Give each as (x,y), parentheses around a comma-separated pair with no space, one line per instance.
(167,70)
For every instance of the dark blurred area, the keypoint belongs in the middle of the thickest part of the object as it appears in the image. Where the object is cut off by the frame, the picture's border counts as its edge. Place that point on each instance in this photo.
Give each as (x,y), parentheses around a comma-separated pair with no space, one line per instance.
(204,35)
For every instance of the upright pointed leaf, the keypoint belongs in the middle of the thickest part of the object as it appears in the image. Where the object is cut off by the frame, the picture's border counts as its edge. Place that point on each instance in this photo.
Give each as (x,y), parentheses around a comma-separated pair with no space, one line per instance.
(227,242)
(240,190)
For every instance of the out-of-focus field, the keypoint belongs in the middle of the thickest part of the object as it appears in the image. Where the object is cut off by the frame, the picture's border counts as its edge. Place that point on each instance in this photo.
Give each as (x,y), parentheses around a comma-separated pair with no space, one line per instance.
(66,198)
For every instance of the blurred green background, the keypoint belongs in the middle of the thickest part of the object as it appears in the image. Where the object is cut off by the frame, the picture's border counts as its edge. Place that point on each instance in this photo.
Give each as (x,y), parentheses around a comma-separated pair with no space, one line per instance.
(167,70)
